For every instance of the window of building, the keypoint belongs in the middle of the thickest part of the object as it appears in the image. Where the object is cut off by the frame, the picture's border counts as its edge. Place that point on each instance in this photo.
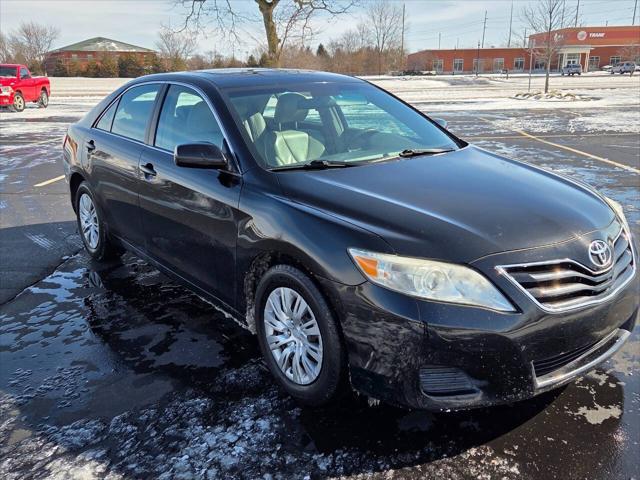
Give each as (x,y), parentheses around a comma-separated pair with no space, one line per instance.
(74,56)
(594,63)
(134,111)
(458,65)
(478,65)
(89,56)
(437,65)
(539,64)
(518,63)
(614,60)
(498,64)
(572,59)
(186,118)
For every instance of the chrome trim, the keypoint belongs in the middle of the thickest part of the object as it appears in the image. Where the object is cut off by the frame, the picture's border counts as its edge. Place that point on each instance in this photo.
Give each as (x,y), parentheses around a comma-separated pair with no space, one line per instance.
(197,89)
(502,270)
(565,373)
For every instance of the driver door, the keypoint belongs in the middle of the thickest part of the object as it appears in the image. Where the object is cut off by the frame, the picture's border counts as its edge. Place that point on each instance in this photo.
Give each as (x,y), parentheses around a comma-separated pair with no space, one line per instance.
(189,215)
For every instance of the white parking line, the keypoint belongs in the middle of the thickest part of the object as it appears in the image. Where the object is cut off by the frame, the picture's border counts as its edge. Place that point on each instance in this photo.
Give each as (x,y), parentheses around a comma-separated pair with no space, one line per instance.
(50,181)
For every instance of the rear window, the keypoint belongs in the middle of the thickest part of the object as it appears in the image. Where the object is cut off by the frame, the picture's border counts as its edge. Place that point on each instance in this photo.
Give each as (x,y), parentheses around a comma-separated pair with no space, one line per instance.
(134,111)
(8,72)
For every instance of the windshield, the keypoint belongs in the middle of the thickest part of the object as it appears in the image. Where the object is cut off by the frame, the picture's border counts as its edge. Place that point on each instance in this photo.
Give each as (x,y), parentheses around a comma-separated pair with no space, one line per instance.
(8,71)
(330,122)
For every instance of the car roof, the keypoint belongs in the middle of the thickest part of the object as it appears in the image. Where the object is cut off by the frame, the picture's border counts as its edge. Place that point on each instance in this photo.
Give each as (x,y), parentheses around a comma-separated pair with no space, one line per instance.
(240,77)
(14,65)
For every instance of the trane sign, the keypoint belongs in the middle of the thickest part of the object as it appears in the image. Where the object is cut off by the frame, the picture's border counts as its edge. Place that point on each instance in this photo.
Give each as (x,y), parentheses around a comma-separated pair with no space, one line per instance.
(582,35)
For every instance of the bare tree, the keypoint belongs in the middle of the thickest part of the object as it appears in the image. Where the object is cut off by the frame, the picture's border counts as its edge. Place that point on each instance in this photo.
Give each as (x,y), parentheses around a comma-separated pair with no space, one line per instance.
(5,52)
(383,20)
(283,20)
(545,16)
(30,42)
(175,48)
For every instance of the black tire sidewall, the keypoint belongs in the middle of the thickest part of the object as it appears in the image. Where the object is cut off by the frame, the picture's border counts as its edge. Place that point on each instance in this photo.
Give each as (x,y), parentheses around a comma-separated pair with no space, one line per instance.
(40,102)
(101,251)
(330,380)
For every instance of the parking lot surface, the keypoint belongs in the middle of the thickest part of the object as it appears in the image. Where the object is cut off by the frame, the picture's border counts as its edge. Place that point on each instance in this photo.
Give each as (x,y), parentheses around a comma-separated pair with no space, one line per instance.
(113,371)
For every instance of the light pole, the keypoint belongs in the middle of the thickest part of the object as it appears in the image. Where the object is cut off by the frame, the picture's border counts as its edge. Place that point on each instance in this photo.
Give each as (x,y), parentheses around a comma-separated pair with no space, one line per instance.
(532,46)
(478,59)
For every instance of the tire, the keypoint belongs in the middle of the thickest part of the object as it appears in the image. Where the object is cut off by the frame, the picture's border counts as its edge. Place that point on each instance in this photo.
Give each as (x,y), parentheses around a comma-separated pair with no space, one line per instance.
(18,102)
(43,100)
(91,227)
(325,383)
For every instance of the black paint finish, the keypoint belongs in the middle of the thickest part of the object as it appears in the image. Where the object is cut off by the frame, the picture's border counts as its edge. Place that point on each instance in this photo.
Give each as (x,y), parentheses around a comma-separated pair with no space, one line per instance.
(218,230)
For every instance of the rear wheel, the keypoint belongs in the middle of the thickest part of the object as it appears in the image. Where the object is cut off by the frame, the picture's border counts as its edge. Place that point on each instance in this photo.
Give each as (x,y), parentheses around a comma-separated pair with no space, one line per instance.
(43,100)
(299,337)
(91,226)
(18,102)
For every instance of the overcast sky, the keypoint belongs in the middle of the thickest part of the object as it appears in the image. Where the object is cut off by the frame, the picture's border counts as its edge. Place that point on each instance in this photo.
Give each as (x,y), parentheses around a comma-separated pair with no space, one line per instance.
(137,21)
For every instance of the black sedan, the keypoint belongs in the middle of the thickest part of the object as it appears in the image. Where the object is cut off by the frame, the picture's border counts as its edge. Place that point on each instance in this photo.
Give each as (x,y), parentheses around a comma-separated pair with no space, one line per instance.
(363,243)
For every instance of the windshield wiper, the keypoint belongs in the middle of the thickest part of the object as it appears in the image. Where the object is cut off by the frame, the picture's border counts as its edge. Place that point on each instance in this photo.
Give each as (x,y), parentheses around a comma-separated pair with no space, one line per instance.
(423,151)
(315,165)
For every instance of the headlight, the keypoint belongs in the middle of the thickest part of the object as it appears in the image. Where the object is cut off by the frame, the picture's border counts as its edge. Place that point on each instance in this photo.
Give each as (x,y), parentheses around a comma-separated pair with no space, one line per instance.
(617,208)
(445,282)
(6,90)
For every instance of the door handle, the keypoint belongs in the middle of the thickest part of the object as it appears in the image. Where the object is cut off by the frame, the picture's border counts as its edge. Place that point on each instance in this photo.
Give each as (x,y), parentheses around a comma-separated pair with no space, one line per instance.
(148,169)
(91,146)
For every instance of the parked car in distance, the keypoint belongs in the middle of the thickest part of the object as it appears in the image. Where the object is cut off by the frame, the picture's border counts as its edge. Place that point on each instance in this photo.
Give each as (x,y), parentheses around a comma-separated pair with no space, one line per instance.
(361,241)
(623,67)
(18,87)
(571,69)
(607,68)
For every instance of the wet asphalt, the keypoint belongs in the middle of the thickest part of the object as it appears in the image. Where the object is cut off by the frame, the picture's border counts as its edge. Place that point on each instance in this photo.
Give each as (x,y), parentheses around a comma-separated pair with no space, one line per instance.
(113,371)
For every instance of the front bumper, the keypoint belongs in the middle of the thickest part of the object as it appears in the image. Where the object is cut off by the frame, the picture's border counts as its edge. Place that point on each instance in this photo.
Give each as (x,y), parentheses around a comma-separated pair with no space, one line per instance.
(438,356)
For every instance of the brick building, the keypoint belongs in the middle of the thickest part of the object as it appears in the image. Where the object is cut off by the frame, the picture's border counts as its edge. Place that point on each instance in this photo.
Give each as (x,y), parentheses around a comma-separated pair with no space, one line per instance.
(592,47)
(97,48)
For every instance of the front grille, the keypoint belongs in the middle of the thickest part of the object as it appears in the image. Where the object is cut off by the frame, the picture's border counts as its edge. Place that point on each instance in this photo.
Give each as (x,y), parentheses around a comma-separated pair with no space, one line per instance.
(566,284)
(548,365)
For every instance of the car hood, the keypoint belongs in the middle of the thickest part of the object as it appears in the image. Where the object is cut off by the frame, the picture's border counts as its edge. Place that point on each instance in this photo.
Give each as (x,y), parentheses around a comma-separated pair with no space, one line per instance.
(457,206)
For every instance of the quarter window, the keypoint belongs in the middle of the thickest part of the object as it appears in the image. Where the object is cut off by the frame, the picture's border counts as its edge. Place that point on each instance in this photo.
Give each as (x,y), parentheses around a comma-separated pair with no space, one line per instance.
(107,118)
(134,111)
(186,118)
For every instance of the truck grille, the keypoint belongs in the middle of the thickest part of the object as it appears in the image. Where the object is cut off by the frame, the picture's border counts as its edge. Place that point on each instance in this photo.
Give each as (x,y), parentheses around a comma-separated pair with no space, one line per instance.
(562,285)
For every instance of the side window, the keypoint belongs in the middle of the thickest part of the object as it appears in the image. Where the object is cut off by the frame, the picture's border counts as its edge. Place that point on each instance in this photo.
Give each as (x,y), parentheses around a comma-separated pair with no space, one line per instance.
(134,111)
(186,118)
(23,73)
(107,118)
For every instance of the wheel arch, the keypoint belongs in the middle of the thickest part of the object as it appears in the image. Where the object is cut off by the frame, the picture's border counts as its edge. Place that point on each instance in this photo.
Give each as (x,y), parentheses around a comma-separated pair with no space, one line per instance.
(74,182)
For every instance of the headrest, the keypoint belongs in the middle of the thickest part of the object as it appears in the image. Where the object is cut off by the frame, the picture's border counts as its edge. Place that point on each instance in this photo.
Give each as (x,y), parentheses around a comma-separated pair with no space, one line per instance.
(290,108)
(200,117)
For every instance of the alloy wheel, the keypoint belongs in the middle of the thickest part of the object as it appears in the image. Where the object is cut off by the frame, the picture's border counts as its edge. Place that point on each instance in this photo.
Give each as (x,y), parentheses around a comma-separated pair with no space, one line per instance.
(293,335)
(89,221)
(44,99)
(18,103)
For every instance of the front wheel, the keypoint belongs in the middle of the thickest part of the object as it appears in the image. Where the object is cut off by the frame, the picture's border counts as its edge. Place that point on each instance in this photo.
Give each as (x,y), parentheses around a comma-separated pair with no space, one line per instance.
(299,336)
(43,100)
(91,226)
(18,102)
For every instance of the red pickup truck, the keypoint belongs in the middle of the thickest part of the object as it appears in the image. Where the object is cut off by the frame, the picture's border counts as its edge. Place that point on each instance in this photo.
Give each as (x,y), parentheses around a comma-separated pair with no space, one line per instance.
(17,87)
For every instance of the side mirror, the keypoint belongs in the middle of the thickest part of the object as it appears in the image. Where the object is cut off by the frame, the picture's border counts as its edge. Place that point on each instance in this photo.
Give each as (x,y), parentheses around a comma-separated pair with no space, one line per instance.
(199,155)
(440,121)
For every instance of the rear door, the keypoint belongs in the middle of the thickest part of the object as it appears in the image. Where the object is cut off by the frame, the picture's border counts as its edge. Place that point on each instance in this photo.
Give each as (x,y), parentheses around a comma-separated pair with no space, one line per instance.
(113,148)
(189,215)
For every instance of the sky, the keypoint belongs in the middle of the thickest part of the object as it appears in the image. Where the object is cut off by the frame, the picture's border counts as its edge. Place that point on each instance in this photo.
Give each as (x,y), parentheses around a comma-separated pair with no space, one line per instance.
(429,23)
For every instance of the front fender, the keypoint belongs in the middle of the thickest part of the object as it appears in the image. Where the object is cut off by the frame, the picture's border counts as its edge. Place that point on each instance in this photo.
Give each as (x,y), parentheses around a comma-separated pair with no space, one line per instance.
(275,226)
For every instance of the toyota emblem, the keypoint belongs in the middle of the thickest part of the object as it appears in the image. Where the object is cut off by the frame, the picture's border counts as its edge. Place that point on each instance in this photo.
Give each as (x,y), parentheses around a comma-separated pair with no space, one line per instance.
(600,253)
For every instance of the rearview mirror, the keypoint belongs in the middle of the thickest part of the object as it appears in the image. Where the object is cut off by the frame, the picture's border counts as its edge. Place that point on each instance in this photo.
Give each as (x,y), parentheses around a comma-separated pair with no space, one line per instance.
(440,121)
(199,155)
